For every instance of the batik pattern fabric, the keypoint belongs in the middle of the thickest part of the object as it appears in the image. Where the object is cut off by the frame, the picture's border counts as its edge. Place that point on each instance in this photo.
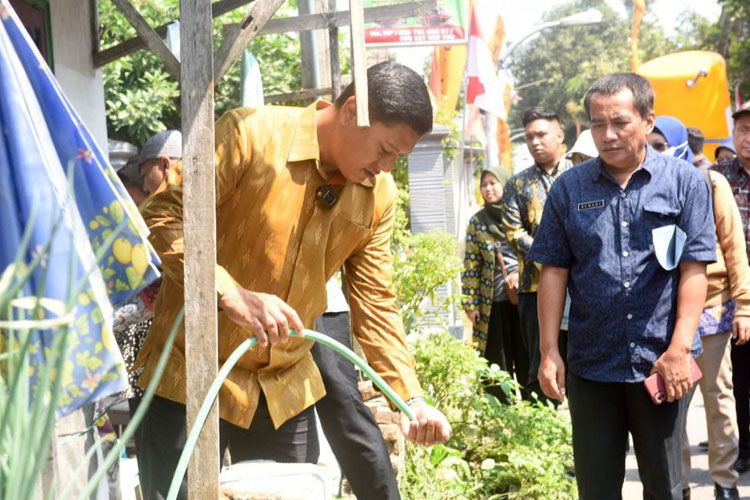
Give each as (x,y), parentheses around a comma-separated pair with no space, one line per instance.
(57,189)
(523,203)
(739,181)
(477,278)
(716,319)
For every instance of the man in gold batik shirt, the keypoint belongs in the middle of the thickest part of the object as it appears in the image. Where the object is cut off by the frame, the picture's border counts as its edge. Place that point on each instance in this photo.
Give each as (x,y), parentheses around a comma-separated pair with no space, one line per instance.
(300,192)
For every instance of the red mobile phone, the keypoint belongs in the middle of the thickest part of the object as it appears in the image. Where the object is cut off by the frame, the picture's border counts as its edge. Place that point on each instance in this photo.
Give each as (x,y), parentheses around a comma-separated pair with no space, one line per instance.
(654,384)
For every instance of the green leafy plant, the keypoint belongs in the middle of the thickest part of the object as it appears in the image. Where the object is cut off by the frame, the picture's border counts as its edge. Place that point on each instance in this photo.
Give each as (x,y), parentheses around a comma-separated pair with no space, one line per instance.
(515,450)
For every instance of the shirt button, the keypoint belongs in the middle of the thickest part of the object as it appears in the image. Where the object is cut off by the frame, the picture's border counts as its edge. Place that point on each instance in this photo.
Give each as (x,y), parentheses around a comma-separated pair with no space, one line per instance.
(623,194)
(625,253)
(632,345)
(630,316)
(626,284)
(624,224)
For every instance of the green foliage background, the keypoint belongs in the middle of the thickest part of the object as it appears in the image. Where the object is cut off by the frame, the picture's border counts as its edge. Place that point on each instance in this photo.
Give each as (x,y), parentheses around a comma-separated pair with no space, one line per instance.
(142,98)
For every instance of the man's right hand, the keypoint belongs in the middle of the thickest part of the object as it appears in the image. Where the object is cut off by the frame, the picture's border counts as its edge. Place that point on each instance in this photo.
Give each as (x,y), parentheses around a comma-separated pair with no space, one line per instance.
(473,316)
(262,313)
(552,376)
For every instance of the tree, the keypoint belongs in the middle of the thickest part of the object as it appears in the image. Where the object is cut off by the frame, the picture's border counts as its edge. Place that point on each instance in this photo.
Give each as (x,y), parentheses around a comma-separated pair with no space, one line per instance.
(562,63)
(142,98)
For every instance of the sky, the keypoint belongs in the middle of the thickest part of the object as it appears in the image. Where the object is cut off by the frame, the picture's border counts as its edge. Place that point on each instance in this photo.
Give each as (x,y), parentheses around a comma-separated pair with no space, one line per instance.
(520,20)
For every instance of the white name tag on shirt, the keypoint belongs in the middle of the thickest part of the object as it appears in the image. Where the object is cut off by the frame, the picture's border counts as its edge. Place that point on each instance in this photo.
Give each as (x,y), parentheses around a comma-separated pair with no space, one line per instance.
(590,205)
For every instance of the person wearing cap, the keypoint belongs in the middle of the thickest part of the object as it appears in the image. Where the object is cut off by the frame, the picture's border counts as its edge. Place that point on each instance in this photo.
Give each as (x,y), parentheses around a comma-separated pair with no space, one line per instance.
(300,192)
(583,149)
(158,157)
(132,181)
(486,284)
(696,140)
(725,152)
(737,172)
(523,203)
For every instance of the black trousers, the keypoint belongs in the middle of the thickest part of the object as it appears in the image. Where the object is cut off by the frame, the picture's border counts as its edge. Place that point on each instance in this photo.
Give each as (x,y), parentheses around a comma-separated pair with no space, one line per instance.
(741,379)
(602,414)
(347,422)
(527,310)
(162,437)
(505,346)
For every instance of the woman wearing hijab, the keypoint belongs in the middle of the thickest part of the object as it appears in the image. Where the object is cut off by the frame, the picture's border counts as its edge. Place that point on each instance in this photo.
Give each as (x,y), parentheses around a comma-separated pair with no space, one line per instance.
(726,314)
(490,284)
(670,137)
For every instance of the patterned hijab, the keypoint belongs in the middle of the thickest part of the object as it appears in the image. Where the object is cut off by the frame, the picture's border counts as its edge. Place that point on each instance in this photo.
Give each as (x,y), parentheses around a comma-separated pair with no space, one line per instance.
(491,216)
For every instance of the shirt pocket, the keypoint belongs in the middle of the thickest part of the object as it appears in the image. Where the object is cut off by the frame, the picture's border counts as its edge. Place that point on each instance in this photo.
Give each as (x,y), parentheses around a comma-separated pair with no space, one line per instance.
(657,214)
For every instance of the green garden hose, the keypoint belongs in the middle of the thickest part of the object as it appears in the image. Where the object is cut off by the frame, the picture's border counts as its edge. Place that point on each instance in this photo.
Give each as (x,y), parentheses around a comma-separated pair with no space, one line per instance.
(213,391)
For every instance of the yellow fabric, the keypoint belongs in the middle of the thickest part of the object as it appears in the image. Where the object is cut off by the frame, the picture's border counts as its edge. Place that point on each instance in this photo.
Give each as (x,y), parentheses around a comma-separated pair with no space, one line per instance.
(273,237)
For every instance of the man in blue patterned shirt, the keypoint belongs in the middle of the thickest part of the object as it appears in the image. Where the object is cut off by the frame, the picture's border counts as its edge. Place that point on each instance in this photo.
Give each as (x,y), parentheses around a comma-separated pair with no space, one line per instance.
(632,314)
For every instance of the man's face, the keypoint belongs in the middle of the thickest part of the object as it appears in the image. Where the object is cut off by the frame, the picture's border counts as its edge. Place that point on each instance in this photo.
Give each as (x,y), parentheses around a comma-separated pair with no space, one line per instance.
(153,173)
(741,136)
(544,139)
(619,131)
(364,152)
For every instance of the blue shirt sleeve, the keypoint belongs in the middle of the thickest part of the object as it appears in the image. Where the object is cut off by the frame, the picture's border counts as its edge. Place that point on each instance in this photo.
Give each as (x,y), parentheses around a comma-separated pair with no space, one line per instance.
(697,220)
(551,245)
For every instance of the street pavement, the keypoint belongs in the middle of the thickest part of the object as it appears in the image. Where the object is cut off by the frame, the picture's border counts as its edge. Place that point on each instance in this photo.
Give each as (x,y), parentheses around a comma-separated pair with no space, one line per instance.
(700,482)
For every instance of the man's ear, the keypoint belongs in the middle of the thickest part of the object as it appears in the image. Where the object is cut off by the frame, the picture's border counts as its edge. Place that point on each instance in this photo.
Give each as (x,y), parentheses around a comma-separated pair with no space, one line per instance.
(650,122)
(165,163)
(348,112)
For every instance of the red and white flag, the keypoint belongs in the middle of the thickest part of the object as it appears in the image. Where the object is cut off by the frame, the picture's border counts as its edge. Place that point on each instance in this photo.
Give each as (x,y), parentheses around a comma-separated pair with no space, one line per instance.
(484,88)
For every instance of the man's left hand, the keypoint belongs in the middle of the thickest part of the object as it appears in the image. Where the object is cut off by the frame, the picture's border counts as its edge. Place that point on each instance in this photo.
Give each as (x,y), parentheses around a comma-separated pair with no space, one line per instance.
(674,367)
(429,427)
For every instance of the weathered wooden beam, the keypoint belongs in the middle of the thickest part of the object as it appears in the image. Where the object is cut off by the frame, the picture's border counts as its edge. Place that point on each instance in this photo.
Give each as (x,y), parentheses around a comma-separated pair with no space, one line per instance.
(232,47)
(149,36)
(333,44)
(133,44)
(327,20)
(302,95)
(359,61)
(199,206)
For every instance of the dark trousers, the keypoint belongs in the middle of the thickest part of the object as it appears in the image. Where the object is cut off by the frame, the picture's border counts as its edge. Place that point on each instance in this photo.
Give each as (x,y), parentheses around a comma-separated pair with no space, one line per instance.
(741,380)
(505,346)
(348,423)
(527,310)
(602,414)
(162,437)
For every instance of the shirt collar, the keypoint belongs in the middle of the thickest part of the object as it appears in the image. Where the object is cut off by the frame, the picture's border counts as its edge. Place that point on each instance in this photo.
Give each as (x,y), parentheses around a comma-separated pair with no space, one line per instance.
(305,143)
(650,165)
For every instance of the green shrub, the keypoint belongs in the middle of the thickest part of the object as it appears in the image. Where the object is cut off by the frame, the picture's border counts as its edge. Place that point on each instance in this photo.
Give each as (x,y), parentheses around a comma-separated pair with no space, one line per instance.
(516,450)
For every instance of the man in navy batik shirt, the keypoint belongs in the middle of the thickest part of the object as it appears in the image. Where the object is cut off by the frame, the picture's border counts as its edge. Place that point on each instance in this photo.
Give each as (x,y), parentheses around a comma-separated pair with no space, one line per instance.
(611,232)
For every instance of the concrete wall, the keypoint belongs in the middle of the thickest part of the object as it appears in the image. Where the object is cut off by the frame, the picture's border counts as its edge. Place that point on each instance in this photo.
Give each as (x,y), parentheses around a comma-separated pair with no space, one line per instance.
(72,49)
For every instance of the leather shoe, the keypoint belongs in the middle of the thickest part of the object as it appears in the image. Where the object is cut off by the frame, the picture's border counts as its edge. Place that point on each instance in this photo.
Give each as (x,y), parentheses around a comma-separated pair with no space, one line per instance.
(686,494)
(742,465)
(721,493)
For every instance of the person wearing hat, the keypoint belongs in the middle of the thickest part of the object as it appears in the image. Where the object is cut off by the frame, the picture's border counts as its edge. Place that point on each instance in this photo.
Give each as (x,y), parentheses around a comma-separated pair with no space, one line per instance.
(490,285)
(160,153)
(725,152)
(737,172)
(584,148)
(132,181)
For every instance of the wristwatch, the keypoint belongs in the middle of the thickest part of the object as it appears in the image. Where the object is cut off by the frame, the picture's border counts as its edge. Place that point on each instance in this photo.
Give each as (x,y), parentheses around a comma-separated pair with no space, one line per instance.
(418,399)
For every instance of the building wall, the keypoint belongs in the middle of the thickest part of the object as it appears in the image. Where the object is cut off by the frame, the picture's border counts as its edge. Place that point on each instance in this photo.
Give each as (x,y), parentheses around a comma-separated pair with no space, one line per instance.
(72,49)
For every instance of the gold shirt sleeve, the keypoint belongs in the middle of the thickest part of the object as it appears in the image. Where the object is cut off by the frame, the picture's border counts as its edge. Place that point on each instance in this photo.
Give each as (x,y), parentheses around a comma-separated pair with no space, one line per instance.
(163,213)
(376,321)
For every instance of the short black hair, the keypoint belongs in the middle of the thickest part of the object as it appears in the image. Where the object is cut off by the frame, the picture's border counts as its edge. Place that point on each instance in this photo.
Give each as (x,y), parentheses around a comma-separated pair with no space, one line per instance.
(539,113)
(396,94)
(643,93)
(695,140)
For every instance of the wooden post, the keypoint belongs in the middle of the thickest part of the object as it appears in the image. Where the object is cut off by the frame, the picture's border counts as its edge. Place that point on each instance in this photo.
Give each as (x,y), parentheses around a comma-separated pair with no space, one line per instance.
(333,43)
(199,207)
(149,36)
(359,63)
